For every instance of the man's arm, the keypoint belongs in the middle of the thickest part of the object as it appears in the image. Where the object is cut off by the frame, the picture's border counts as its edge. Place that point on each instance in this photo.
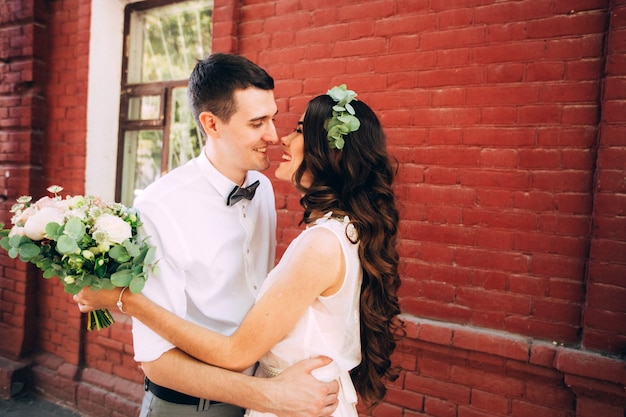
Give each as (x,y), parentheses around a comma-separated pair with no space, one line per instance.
(294,393)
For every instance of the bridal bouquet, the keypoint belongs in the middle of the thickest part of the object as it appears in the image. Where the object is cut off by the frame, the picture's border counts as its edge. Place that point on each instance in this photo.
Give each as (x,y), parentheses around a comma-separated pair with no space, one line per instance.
(82,240)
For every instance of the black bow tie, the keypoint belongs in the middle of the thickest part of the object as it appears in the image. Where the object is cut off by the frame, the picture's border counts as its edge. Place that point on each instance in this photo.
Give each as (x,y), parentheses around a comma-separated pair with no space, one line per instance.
(242,192)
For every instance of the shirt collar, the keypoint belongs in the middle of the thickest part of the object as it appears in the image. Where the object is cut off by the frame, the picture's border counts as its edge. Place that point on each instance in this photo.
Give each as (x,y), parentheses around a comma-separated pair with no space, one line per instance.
(222,184)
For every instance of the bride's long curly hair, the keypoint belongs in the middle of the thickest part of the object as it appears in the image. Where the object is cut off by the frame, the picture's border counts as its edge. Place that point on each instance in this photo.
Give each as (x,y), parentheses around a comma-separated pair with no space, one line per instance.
(357,181)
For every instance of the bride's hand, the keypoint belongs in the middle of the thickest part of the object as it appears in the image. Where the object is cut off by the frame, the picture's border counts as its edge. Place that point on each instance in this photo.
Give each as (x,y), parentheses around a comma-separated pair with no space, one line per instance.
(91,300)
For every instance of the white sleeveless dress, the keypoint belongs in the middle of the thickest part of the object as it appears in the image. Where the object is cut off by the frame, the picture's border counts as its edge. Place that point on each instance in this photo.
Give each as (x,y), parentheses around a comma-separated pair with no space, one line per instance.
(330,326)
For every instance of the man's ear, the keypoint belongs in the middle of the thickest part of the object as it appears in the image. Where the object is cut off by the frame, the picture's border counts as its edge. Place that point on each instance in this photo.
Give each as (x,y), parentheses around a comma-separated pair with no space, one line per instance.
(209,122)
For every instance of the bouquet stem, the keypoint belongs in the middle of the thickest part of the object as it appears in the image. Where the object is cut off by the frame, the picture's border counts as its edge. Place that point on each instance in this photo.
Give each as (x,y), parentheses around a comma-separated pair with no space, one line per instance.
(99,319)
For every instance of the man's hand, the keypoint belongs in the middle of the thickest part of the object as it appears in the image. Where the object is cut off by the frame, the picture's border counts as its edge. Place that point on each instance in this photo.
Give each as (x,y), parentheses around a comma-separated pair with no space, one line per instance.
(297,393)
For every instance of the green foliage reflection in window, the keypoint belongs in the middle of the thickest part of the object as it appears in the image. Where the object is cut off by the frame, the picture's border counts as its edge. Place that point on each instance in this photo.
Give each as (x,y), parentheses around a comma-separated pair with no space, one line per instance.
(167,41)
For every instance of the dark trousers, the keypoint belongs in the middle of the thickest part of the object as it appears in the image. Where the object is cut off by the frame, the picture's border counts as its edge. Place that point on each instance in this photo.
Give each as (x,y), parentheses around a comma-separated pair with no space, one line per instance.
(152,406)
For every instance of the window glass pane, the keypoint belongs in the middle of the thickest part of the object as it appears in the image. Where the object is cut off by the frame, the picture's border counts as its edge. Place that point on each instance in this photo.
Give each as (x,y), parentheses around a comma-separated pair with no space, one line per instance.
(165,42)
(185,140)
(144,108)
(142,162)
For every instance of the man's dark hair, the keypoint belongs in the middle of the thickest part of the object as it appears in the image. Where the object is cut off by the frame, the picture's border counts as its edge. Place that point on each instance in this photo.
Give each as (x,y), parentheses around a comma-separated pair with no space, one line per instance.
(215,79)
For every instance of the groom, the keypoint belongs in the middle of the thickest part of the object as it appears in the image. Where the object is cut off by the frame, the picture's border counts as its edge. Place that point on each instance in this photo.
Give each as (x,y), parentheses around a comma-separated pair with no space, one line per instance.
(215,245)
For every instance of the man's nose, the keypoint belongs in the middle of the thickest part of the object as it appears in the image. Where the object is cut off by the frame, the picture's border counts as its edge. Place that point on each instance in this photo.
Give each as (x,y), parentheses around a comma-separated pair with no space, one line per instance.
(271,135)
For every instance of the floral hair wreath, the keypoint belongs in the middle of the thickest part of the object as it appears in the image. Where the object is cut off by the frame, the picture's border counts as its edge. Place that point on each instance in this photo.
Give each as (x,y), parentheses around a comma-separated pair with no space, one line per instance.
(343,121)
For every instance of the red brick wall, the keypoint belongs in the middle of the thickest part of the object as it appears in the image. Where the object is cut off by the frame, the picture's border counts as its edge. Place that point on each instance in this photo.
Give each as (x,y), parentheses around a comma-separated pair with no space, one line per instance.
(492,111)
(22,119)
(604,320)
(507,119)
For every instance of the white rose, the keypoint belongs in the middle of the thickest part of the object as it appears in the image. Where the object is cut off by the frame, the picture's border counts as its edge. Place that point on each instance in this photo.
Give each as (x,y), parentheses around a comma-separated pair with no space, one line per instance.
(20,219)
(35,226)
(16,231)
(115,229)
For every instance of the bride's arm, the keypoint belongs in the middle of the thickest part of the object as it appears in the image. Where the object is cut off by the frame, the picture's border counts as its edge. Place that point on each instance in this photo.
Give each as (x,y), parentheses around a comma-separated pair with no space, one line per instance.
(316,267)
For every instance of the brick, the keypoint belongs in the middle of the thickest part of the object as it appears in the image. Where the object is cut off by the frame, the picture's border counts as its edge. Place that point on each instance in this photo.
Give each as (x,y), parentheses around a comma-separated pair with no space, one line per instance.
(453,58)
(405,399)
(539,158)
(449,39)
(524,408)
(445,390)
(540,114)
(545,71)
(591,407)
(563,224)
(439,408)
(502,240)
(509,347)
(582,47)
(561,181)
(505,73)
(565,289)
(587,69)
(607,273)
(498,219)
(387,410)
(562,311)
(610,159)
(556,266)
(542,354)
(541,329)
(600,318)
(510,12)
(472,412)
(609,297)
(612,135)
(454,195)
(493,382)
(426,308)
(489,402)
(499,158)
(609,204)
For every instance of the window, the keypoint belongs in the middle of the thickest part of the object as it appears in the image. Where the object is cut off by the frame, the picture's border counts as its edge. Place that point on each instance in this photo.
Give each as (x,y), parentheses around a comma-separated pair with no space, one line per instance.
(163,41)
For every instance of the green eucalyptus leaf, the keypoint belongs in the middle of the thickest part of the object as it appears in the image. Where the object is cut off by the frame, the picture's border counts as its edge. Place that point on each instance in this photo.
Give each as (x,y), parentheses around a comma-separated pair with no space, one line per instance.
(4,243)
(72,289)
(16,240)
(136,284)
(54,230)
(74,228)
(66,245)
(28,251)
(14,253)
(50,273)
(86,280)
(106,284)
(121,278)
(119,254)
(150,255)
(134,250)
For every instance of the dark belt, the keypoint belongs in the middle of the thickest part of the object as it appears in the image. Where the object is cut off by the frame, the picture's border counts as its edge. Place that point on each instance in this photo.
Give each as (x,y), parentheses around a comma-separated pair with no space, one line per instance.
(172,396)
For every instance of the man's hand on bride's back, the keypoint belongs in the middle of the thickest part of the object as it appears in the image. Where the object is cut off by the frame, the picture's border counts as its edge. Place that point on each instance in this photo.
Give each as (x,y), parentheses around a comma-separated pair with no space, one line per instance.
(297,393)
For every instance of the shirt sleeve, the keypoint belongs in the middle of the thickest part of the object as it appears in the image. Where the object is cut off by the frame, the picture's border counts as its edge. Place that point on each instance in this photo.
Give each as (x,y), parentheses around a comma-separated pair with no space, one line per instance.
(167,288)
